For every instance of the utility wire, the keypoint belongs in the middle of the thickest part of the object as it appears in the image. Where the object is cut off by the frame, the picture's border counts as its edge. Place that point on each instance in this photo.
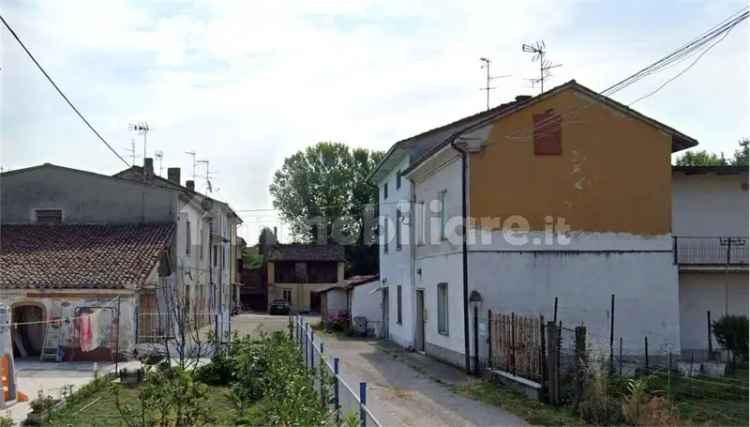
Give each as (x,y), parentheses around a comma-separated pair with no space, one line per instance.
(15,36)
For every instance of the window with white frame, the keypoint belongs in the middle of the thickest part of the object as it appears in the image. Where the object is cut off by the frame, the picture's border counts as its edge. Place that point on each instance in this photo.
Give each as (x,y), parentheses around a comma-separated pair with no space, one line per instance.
(443,198)
(398,305)
(188,238)
(398,229)
(385,234)
(442,308)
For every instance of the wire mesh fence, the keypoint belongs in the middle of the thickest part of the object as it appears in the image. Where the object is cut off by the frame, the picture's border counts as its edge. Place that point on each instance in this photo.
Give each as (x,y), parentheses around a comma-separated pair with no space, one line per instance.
(344,401)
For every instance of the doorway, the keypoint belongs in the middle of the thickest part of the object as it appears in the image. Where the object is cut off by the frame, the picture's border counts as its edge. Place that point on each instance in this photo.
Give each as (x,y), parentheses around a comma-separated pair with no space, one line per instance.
(315,302)
(28,338)
(420,321)
(386,313)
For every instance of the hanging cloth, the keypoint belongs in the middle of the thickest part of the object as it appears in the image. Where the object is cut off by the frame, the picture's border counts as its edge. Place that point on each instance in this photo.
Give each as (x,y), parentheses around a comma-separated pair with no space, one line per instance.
(85,332)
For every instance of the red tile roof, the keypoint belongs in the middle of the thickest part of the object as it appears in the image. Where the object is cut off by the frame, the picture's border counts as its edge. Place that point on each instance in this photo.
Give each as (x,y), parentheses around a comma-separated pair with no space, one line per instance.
(80,256)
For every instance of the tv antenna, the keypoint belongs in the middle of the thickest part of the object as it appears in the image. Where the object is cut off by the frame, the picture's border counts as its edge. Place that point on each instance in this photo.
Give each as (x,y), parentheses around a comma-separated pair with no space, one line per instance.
(539,49)
(143,129)
(131,151)
(486,66)
(209,187)
(159,156)
(192,154)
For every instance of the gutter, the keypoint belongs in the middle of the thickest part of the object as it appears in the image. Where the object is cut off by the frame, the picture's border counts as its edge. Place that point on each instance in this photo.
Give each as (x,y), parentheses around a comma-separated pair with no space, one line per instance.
(464,255)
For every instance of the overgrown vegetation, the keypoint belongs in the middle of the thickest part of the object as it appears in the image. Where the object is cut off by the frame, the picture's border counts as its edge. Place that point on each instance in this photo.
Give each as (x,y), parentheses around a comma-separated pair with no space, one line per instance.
(662,398)
(254,381)
(732,334)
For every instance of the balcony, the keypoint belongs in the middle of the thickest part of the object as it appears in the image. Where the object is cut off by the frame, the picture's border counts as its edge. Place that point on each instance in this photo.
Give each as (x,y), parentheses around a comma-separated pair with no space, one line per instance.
(711,251)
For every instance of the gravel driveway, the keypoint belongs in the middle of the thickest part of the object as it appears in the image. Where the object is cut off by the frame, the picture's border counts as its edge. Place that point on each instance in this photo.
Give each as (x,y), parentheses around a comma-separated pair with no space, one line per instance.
(416,393)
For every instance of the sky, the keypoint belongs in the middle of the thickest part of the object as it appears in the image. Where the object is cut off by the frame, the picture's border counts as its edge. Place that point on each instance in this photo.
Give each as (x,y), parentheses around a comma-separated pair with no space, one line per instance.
(246,84)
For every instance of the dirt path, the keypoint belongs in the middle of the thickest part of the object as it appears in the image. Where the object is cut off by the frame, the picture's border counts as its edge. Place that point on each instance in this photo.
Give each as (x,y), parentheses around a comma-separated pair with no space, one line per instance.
(403,389)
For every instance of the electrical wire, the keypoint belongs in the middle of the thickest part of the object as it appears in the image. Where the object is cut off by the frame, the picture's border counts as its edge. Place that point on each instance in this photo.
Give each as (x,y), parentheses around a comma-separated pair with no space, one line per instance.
(59,91)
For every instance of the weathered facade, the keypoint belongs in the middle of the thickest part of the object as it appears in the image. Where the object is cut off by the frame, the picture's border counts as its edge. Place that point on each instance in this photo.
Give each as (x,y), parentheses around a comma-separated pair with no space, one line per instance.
(48,200)
(553,208)
(710,222)
(298,272)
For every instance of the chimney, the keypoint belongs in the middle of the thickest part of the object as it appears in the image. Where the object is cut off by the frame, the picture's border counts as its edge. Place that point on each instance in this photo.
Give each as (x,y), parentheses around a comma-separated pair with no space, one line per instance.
(522,98)
(173,174)
(148,166)
(190,184)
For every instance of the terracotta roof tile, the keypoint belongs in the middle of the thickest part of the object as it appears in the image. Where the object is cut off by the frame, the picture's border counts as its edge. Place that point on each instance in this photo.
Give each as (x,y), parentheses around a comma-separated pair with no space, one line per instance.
(80,256)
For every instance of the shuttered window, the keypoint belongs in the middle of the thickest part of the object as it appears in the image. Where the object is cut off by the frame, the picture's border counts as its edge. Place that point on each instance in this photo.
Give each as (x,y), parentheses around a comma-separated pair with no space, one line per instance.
(547,133)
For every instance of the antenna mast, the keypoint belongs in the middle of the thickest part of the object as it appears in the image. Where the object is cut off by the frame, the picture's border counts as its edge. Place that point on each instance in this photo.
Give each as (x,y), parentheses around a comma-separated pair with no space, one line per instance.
(192,154)
(486,65)
(539,49)
(209,187)
(143,129)
(159,156)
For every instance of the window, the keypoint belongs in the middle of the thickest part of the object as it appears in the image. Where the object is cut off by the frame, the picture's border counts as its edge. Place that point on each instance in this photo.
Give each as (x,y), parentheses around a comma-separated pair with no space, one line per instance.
(398,229)
(202,232)
(385,191)
(188,238)
(398,180)
(442,306)
(398,304)
(215,255)
(385,234)
(547,133)
(443,197)
(287,295)
(48,216)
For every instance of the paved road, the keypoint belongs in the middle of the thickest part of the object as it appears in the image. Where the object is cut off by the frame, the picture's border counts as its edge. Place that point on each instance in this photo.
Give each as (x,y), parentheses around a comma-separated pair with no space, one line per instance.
(399,394)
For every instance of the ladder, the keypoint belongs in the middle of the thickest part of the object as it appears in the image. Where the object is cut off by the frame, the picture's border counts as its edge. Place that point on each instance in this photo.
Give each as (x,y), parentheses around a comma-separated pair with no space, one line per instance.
(52,348)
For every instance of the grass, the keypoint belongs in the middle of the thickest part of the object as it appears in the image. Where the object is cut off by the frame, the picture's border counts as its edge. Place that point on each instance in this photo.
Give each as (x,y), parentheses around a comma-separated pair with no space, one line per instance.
(98,408)
(699,401)
(705,400)
(533,411)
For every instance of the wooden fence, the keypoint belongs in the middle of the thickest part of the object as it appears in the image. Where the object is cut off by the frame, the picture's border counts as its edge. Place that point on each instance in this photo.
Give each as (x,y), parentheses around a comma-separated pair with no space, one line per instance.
(517,345)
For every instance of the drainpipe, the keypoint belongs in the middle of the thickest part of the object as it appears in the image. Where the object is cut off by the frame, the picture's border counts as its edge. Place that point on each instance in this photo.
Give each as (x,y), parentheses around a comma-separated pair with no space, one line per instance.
(464,256)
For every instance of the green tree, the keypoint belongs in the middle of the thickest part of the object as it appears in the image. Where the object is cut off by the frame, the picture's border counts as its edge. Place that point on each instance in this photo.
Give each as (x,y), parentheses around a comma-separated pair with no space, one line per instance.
(742,154)
(321,191)
(700,158)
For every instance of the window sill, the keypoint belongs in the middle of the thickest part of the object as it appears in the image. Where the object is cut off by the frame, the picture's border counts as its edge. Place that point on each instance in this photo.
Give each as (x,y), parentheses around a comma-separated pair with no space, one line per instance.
(443,333)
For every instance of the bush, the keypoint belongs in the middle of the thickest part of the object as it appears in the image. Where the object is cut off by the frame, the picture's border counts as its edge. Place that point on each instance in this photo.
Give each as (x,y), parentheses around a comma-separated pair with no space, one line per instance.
(338,322)
(641,409)
(219,371)
(6,421)
(269,372)
(598,406)
(732,334)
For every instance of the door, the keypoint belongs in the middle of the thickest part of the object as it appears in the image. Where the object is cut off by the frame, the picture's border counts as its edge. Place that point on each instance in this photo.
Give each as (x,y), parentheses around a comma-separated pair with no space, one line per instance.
(420,320)
(386,313)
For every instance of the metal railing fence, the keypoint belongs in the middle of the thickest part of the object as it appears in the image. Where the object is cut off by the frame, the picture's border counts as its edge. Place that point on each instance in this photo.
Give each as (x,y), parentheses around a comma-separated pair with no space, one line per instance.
(340,397)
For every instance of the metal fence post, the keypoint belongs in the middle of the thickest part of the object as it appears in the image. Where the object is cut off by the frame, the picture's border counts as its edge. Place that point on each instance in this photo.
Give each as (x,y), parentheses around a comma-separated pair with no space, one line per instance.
(336,388)
(489,339)
(322,382)
(312,349)
(307,345)
(362,404)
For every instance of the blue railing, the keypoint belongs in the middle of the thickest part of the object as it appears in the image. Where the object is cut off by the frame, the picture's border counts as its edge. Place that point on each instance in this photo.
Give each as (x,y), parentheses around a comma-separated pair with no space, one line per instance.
(344,402)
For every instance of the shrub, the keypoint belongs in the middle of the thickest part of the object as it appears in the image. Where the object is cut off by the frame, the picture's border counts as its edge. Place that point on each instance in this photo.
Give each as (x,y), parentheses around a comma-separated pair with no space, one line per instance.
(169,397)
(597,406)
(269,372)
(731,332)
(338,322)
(641,409)
(6,421)
(219,371)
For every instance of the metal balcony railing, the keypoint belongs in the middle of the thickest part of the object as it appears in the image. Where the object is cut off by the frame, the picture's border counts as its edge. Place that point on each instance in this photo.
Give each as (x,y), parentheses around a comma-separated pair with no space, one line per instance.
(711,251)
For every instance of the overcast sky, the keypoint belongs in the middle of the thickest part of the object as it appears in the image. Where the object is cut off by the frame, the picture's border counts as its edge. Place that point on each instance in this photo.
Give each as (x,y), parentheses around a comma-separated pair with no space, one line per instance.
(246,84)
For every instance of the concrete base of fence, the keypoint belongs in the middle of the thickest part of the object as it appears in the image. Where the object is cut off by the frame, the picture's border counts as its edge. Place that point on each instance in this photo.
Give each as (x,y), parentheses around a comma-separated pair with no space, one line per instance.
(710,369)
(531,389)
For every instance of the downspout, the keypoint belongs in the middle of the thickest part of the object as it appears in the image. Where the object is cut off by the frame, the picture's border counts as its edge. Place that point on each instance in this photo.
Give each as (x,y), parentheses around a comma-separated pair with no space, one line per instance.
(464,256)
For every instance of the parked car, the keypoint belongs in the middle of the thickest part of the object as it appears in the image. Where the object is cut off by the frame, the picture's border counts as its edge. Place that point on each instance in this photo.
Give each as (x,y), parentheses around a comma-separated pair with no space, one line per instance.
(279,306)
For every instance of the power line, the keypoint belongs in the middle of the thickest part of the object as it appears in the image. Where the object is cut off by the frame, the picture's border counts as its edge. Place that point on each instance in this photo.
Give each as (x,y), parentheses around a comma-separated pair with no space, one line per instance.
(15,36)
(700,44)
